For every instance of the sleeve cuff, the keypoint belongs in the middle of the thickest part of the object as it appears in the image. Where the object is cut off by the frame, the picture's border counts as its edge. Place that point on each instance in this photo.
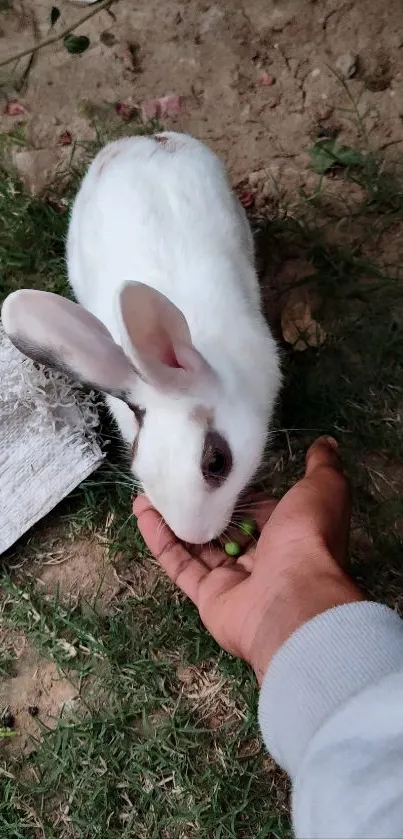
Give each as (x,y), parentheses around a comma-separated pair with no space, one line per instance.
(324,663)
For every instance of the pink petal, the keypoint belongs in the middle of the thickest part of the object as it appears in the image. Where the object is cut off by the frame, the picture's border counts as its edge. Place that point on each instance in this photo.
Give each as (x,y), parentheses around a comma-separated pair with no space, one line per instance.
(165,106)
(247,199)
(14,108)
(125,110)
(170,106)
(65,139)
(265,80)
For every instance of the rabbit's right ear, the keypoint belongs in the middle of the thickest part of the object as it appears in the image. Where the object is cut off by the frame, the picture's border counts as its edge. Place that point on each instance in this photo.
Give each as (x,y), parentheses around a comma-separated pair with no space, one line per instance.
(156,334)
(60,334)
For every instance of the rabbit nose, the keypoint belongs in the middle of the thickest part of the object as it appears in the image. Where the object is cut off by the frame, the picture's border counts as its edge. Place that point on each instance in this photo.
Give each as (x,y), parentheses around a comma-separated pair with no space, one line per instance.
(198,535)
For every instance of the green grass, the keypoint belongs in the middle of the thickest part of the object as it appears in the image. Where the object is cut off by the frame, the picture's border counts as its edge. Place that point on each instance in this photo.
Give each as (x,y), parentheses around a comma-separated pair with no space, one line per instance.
(143,754)
(352,387)
(139,756)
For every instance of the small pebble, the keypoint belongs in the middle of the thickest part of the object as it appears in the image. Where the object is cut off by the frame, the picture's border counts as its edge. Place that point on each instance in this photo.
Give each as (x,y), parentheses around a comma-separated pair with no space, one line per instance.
(347,65)
(232,548)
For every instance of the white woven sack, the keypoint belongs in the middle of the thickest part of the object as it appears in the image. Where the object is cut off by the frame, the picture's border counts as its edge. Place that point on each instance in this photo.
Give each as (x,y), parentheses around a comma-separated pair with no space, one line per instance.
(48,441)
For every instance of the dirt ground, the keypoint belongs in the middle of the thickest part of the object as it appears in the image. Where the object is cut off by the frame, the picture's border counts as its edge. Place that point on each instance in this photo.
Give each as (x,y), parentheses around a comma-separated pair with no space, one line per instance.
(73,569)
(36,691)
(254,79)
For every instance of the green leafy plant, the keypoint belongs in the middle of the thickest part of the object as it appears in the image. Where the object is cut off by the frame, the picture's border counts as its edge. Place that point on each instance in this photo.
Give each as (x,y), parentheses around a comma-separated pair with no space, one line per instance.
(6,732)
(328,154)
(76,44)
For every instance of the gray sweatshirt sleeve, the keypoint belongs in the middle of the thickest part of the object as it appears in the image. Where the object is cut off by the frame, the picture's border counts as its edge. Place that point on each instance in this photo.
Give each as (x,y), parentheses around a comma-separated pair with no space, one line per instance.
(331,714)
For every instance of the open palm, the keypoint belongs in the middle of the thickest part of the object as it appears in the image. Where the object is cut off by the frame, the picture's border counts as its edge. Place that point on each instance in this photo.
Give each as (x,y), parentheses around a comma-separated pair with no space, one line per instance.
(250,605)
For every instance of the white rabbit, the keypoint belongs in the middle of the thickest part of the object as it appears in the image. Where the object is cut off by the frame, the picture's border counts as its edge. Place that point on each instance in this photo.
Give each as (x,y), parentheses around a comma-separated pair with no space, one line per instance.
(160,258)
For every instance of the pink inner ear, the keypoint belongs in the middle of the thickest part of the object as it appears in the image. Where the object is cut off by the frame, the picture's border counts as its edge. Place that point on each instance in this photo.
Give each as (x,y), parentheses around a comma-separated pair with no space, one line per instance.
(153,324)
(169,358)
(160,340)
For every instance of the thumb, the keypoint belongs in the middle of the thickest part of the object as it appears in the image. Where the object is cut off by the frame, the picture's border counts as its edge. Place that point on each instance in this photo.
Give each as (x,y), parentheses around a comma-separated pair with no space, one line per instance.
(323,453)
(324,474)
(317,508)
(332,498)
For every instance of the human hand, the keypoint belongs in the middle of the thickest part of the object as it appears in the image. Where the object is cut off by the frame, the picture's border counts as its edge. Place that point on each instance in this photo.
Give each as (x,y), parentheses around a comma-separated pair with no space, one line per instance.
(253,604)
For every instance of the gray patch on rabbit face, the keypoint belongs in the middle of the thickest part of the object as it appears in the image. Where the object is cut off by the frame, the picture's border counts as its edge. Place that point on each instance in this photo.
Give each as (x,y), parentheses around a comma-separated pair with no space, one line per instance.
(203,416)
(139,413)
(217,461)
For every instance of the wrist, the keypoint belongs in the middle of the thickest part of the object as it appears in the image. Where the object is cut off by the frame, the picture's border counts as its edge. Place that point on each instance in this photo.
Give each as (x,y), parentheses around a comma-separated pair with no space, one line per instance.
(302,597)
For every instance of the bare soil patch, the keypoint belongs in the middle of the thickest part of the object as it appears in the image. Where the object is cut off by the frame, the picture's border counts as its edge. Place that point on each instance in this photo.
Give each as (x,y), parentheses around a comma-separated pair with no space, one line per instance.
(33,696)
(256,79)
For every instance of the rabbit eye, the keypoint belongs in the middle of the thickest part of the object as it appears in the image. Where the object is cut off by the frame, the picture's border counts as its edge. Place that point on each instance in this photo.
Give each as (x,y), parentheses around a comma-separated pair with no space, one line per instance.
(216,461)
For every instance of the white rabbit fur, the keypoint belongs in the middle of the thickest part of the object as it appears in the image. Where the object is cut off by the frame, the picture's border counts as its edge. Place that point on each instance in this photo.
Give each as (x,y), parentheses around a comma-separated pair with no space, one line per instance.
(158,211)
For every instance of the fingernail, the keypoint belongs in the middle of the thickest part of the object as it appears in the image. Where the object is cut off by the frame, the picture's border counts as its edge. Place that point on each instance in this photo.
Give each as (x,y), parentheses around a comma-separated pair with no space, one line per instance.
(331,442)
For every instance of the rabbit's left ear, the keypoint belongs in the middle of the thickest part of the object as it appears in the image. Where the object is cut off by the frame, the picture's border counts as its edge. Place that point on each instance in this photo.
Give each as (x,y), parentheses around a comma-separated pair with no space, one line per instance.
(63,335)
(156,334)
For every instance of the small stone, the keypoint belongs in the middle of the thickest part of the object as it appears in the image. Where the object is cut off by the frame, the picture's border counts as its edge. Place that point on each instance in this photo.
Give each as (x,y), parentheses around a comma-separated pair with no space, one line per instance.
(347,65)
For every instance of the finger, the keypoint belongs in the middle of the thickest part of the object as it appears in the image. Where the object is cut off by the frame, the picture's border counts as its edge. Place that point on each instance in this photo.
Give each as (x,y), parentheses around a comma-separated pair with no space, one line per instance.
(185,571)
(214,557)
(211,555)
(257,506)
(326,496)
(323,453)
(140,503)
(324,472)
(247,561)
(262,510)
(317,509)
